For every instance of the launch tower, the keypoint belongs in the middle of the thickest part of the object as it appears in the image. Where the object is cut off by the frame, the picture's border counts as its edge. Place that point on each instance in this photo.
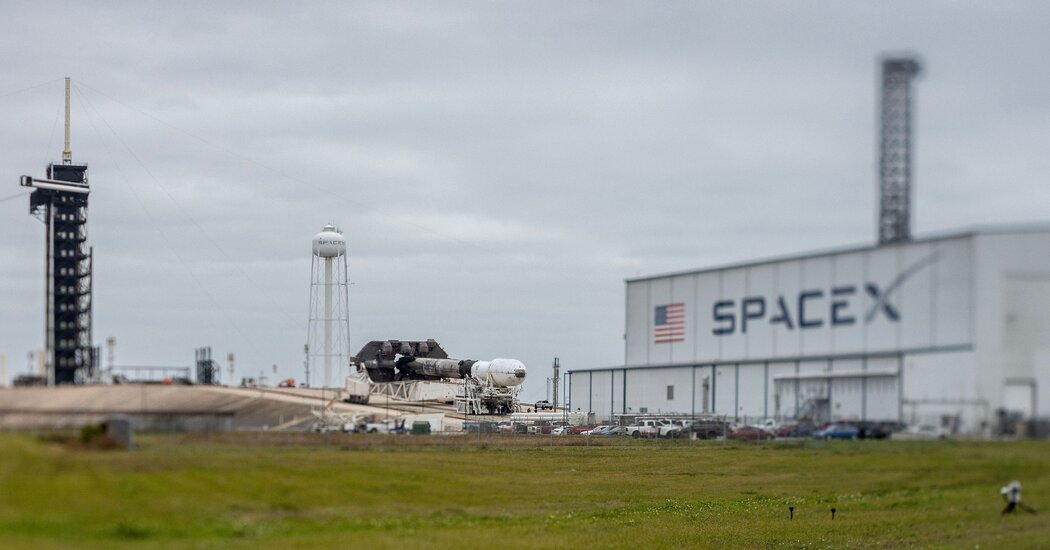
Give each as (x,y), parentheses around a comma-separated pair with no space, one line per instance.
(61,202)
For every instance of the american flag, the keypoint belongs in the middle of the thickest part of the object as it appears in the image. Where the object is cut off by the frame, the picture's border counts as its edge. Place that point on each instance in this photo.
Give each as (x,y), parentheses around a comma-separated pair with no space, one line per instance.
(669,323)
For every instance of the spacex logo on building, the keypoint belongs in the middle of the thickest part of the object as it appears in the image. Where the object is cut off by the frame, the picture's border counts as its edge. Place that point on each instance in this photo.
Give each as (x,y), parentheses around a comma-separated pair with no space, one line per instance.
(815,308)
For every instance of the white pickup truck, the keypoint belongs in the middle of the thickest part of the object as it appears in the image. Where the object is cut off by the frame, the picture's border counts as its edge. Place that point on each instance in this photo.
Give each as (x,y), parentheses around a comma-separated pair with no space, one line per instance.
(653,428)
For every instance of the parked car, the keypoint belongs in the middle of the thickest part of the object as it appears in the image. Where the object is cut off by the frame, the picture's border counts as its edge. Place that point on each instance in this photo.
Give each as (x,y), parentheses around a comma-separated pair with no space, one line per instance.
(709,428)
(547,427)
(544,405)
(877,430)
(653,428)
(750,433)
(676,426)
(794,430)
(567,430)
(645,428)
(769,425)
(669,429)
(838,431)
(381,427)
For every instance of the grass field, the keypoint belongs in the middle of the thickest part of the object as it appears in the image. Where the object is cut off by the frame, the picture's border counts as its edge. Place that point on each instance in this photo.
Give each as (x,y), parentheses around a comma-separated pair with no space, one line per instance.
(382,492)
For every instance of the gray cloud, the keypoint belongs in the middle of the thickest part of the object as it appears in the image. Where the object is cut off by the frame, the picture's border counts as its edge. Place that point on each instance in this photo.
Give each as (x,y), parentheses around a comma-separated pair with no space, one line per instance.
(498,168)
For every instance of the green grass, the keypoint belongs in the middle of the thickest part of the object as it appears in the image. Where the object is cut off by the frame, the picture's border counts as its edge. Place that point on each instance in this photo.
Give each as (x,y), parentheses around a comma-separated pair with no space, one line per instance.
(243,492)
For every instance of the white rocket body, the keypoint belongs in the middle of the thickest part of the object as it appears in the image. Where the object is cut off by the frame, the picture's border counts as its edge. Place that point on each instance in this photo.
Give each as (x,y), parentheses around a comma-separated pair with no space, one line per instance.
(497,372)
(500,372)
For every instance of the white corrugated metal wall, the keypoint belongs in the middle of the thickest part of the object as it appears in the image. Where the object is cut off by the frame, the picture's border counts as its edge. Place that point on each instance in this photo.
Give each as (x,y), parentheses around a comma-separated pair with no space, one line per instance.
(914,296)
(917,332)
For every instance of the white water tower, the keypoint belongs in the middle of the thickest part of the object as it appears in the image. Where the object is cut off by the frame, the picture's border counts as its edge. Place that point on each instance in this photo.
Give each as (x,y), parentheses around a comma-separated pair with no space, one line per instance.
(328,337)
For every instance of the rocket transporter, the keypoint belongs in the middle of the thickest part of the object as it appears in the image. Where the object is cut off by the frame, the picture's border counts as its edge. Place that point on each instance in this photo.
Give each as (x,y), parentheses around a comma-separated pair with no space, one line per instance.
(488,386)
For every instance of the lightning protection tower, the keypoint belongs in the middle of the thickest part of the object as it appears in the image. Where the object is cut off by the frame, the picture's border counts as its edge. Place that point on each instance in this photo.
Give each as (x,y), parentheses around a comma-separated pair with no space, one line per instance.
(328,335)
(61,202)
(895,149)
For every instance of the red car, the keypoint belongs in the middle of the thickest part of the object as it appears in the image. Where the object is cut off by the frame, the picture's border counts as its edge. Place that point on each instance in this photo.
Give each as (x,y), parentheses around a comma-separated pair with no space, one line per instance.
(750,433)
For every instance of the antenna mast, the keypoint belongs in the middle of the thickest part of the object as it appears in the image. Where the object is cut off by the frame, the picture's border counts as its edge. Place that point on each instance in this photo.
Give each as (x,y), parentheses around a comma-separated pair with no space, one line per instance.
(67,154)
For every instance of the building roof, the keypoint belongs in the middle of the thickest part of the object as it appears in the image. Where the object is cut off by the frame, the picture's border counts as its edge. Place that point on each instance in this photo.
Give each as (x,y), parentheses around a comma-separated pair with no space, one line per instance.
(999,229)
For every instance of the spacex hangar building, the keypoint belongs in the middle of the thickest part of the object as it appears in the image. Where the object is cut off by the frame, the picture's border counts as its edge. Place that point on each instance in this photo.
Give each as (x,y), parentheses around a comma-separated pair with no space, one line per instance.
(944,330)
(950,330)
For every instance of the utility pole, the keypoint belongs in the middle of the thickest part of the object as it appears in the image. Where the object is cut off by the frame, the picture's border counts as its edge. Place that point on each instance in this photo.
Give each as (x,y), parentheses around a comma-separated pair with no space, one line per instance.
(554,390)
(111,353)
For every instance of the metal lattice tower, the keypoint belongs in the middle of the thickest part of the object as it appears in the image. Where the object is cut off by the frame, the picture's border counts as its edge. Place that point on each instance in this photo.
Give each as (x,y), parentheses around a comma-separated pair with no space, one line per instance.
(207,369)
(895,149)
(61,202)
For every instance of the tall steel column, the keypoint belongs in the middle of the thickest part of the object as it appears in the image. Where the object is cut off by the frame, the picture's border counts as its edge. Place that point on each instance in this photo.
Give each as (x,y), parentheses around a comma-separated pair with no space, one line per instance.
(895,149)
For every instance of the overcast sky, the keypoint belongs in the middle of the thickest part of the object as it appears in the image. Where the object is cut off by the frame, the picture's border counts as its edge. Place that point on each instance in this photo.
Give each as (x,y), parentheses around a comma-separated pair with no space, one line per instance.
(498,168)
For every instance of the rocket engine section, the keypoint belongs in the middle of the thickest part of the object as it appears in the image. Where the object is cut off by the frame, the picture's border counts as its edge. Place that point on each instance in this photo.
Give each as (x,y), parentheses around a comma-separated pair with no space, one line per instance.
(384,359)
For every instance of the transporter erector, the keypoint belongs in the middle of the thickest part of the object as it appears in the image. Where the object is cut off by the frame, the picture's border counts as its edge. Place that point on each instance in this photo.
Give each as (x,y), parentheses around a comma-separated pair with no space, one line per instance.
(488,387)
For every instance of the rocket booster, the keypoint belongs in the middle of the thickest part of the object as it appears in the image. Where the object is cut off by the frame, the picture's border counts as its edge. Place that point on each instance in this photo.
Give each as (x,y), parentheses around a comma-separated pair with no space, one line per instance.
(499,372)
